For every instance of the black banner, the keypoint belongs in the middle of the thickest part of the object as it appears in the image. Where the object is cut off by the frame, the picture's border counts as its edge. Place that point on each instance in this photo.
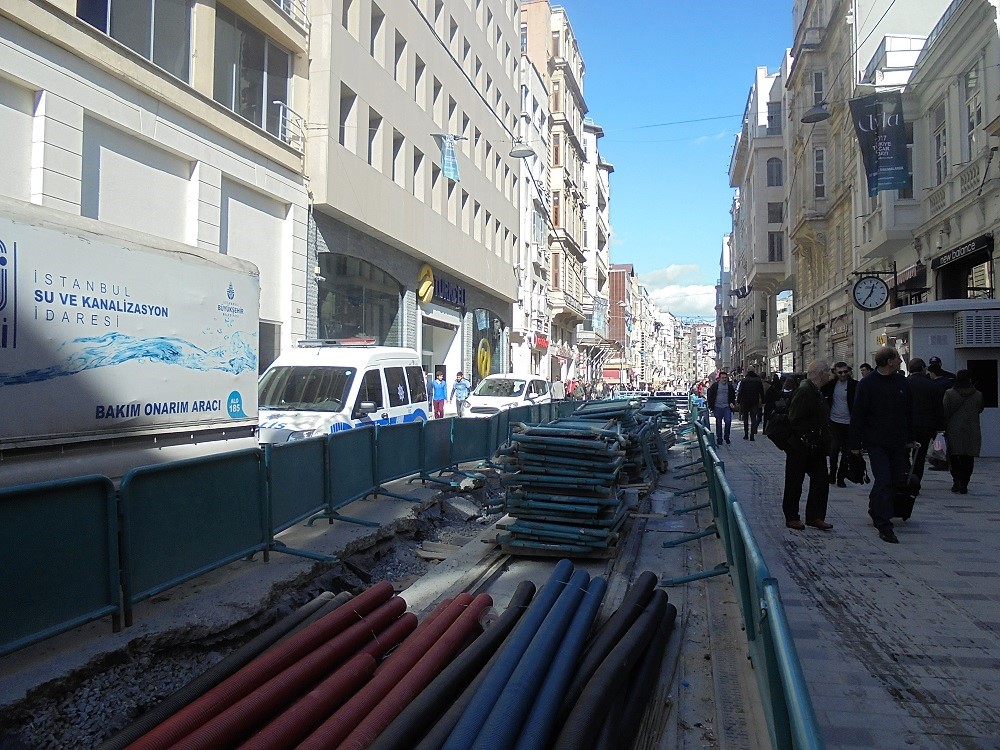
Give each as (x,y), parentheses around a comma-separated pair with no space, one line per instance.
(881,131)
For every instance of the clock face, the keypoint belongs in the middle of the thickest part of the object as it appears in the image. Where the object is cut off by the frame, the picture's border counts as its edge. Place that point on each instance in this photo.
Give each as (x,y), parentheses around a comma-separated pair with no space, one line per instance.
(870,293)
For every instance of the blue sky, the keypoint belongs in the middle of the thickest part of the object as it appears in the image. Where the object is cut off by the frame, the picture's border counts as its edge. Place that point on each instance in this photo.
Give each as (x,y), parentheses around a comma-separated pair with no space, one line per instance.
(653,67)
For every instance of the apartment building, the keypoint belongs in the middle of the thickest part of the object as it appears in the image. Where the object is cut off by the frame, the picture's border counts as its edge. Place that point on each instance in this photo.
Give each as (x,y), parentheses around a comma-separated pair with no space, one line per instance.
(593,336)
(530,350)
(549,42)
(761,267)
(415,230)
(169,120)
(826,189)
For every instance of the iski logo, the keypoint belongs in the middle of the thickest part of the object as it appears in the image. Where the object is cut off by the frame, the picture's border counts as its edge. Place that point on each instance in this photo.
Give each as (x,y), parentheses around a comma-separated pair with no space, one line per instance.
(8,296)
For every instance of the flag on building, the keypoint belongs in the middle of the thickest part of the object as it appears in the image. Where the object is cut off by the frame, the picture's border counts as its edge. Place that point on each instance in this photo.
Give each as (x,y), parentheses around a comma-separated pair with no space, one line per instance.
(449,164)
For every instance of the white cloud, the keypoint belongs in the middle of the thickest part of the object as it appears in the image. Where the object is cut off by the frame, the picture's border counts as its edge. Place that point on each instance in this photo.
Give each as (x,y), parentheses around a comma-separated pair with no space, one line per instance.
(668,291)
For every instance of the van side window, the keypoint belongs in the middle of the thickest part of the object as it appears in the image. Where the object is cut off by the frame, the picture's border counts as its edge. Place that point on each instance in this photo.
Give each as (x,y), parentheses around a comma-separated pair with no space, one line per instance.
(370,390)
(418,386)
(395,382)
(542,387)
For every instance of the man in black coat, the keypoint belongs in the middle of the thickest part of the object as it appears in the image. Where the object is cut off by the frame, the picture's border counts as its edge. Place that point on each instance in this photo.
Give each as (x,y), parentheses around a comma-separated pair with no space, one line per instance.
(880,422)
(807,451)
(721,401)
(839,395)
(942,380)
(750,397)
(926,411)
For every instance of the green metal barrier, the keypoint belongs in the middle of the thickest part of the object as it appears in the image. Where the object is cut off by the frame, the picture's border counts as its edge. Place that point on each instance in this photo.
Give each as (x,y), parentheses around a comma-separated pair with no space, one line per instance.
(296,488)
(790,716)
(519,414)
(566,408)
(59,556)
(535,414)
(351,475)
(435,451)
(185,518)
(296,474)
(503,427)
(397,454)
(470,441)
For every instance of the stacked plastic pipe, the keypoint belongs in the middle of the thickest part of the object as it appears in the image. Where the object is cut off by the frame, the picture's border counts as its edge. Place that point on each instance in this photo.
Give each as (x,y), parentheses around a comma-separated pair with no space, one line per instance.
(563,489)
(367,675)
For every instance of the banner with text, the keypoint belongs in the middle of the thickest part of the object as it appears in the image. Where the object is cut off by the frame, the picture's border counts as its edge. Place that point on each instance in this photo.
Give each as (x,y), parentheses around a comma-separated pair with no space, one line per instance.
(881,131)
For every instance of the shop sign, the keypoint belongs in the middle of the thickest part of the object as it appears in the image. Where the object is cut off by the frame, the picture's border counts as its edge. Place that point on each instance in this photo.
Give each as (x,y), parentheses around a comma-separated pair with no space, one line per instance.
(431,286)
(541,341)
(882,339)
(983,242)
(838,330)
(777,348)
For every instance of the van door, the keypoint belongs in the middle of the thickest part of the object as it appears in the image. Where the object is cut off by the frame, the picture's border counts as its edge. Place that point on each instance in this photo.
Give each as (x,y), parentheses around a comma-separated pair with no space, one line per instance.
(419,405)
(370,390)
(398,393)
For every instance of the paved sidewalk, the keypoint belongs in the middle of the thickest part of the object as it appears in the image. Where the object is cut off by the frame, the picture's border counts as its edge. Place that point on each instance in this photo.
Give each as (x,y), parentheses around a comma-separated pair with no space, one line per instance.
(899,643)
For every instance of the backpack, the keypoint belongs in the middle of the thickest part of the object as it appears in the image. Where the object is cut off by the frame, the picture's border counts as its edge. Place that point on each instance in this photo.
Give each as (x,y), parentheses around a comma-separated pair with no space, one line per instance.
(779,428)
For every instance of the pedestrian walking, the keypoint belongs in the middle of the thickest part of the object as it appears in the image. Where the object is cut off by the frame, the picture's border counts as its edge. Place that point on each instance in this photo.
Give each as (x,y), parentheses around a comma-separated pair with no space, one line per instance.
(963,403)
(943,380)
(771,392)
(925,411)
(865,369)
(439,394)
(722,400)
(807,450)
(750,397)
(460,391)
(880,423)
(839,395)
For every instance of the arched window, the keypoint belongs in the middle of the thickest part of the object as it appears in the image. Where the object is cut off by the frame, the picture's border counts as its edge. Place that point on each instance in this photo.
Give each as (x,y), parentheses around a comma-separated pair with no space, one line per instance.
(357,299)
(775,173)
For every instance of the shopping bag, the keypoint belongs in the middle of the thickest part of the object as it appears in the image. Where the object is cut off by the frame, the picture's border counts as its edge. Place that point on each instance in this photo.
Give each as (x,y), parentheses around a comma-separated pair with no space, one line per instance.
(857,470)
(939,448)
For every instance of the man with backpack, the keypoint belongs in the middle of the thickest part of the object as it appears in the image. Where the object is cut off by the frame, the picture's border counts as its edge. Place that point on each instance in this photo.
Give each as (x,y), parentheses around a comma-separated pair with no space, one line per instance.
(807,450)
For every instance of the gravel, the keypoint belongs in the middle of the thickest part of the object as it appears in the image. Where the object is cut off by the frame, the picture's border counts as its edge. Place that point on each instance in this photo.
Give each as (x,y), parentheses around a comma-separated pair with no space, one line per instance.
(83,710)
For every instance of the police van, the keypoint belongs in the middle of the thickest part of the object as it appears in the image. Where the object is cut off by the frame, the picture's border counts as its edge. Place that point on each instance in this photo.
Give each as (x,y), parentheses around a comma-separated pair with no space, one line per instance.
(325,386)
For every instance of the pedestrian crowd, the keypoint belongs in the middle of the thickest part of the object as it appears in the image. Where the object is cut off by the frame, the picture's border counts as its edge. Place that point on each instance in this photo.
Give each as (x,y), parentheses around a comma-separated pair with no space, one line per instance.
(826,421)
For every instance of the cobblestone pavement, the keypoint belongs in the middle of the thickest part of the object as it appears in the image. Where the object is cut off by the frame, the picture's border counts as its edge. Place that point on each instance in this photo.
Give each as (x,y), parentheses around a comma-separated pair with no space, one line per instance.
(899,643)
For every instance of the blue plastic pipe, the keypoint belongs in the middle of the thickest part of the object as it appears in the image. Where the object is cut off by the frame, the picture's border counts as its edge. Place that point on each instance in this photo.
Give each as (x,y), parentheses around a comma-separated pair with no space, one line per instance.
(476,713)
(503,725)
(544,713)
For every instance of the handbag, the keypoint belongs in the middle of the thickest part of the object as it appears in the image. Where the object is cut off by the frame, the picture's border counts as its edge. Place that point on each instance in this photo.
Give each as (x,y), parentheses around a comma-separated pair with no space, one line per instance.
(857,469)
(779,431)
(939,448)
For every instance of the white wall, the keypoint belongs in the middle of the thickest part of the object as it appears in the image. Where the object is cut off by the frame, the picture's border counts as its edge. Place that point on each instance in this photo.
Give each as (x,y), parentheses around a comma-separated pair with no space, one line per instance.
(16,105)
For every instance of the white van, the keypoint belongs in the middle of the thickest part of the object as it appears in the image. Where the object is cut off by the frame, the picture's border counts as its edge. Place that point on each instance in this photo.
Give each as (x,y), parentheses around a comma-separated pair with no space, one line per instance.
(328,386)
(498,392)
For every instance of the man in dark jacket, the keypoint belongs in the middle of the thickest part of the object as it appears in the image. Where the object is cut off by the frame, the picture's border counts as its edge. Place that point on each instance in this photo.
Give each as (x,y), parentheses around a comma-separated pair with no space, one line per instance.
(942,380)
(750,397)
(807,451)
(839,395)
(721,401)
(880,422)
(926,413)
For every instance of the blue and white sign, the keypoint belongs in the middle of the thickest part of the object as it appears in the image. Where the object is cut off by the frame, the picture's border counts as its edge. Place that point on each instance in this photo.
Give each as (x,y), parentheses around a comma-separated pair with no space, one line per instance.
(101,337)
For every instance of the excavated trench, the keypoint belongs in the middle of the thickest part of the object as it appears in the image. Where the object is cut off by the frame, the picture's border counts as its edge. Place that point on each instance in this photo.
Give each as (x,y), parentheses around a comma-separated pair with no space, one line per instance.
(92,704)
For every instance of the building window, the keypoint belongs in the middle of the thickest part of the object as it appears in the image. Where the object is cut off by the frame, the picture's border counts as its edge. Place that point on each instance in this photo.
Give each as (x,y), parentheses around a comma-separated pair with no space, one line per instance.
(557,209)
(556,49)
(557,150)
(819,93)
(524,38)
(907,193)
(251,72)
(775,247)
(159,30)
(775,173)
(973,112)
(775,213)
(774,118)
(819,172)
(357,299)
(556,105)
(940,143)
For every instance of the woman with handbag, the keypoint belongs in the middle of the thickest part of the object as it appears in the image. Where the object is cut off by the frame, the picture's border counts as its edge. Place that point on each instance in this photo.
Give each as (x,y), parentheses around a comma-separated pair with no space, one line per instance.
(807,451)
(963,403)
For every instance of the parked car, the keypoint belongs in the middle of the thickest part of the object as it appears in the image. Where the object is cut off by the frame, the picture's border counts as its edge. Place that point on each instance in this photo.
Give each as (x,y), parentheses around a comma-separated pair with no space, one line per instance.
(498,392)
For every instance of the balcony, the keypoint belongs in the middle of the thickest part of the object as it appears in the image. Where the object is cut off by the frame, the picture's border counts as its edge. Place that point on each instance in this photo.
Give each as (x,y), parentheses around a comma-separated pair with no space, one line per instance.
(889,228)
(566,305)
(769,277)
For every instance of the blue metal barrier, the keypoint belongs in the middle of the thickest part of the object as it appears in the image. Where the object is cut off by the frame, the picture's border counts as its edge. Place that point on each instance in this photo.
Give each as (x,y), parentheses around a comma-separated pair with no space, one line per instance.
(435,451)
(503,427)
(185,518)
(535,414)
(519,414)
(59,556)
(566,408)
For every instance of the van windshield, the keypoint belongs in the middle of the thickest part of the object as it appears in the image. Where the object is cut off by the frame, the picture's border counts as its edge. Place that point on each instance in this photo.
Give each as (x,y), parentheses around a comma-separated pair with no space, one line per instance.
(305,388)
(502,387)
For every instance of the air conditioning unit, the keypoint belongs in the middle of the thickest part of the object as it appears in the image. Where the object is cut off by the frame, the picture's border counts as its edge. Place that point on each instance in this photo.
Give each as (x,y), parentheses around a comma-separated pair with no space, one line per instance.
(975,328)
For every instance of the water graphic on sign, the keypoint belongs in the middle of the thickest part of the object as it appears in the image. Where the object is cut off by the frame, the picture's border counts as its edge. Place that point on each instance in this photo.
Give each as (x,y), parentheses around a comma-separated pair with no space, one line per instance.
(233,357)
